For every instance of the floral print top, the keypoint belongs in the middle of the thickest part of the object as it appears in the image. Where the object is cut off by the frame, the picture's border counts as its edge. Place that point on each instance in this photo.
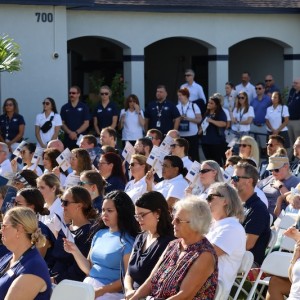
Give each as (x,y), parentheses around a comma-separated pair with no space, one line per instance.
(167,279)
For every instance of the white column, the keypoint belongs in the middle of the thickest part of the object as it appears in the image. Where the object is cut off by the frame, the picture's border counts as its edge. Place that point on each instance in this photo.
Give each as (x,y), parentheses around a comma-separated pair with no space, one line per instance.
(134,75)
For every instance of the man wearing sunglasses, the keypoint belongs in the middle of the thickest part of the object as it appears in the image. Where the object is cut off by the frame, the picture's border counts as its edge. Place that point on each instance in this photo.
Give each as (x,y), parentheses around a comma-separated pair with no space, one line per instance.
(75,118)
(257,218)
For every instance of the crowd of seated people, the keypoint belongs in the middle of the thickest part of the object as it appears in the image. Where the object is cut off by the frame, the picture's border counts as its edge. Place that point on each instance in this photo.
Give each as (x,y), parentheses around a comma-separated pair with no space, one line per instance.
(128,230)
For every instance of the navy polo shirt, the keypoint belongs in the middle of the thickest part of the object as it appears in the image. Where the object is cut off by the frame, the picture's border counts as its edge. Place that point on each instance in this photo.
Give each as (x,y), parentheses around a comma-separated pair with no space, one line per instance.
(260,109)
(74,117)
(105,115)
(293,104)
(257,221)
(10,127)
(168,111)
(215,135)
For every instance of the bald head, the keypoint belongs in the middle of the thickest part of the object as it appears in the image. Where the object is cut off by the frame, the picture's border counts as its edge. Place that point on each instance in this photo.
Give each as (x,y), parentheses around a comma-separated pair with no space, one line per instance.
(56,144)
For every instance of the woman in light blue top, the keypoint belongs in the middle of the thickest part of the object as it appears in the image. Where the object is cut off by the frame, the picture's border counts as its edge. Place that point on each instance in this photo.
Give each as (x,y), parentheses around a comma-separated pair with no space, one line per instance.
(111,246)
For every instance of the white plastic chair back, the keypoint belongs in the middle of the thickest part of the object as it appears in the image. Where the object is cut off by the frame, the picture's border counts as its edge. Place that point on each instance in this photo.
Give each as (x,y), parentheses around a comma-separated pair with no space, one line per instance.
(75,290)
(276,263)
(272,241)
(287,244)
(244,269)
(288,220)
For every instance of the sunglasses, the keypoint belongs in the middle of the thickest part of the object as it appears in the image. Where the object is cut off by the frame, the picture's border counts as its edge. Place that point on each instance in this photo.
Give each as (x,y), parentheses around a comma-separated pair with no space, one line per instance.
(178,221)
(133,164)
(243,145)
(9,104)
(104,94)
(66,203)
(174,145)
(270,145)
(72,93)
(241,98)
(210,197)
(268,80)
(237,178)
(204,171)
(187,75)
(258,88)
(46,103)
(275,170)
(82,183)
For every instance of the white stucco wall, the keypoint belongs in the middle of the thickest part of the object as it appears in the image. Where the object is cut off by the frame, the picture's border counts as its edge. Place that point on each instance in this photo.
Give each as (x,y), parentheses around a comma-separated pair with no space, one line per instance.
(43,76)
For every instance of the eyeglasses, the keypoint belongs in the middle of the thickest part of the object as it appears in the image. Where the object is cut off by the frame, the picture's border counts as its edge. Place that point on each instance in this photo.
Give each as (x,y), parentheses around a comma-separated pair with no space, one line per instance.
(241,98)
(204,171)
(243,145)
(210,197)
(187,75)
(133,164)
(9,104)
(149,137)
(237,178)
(258,88)
(275,170)
(72,93)
(174,145)
(105,94)
(140,217)
(66,203)
(177,221)
(46,103)
(81,183)
(3,226)
(270,145)
(268,80)
(166,166)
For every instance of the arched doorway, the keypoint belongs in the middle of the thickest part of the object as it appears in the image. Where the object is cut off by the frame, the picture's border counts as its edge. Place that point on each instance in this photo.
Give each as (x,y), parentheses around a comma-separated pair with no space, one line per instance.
(166,61)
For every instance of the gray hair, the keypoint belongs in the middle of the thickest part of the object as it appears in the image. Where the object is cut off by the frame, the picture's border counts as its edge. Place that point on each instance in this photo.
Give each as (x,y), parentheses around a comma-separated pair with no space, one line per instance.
(214,165)
(198,211)
(234,207)
(190,71)
(4,148)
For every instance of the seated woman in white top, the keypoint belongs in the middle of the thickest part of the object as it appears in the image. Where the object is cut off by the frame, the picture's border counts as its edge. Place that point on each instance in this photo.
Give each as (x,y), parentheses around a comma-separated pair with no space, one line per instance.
(210,172)
(226,233)
(174,184)
(136,187)
(49,186)
(181,148)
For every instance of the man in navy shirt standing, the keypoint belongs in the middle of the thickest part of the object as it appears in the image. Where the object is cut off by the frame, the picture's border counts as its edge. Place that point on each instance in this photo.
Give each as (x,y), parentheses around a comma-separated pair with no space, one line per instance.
(257,218)
(162,114)
(75,118)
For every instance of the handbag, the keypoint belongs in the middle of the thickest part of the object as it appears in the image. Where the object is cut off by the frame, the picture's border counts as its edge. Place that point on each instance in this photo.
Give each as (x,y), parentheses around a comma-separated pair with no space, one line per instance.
(47,125)
(282,118)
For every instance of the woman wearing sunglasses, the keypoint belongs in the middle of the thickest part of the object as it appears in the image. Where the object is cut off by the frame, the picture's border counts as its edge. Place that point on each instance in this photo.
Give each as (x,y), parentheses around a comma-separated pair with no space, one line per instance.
(242,116)
(77,206)
(132,120)
(136,187)
(157,231)
(226,233)
(93,182)
(111,247)
(210,172)
(12,124)
(106,113)
(49,186)
(188,268)
(45,133)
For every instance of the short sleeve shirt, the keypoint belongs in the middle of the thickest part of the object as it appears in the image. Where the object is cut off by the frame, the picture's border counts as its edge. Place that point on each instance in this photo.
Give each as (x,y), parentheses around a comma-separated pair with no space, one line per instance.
(168,112)
(74,117)
(105,115)
(10,127)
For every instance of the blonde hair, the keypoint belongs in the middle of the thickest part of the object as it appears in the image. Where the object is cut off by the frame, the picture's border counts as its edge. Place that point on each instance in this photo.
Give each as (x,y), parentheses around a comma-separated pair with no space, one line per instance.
(25,217)
(254,154)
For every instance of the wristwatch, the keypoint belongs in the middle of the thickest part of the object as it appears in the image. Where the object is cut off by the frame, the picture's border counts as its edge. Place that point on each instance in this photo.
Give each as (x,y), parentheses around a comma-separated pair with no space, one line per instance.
(280,186)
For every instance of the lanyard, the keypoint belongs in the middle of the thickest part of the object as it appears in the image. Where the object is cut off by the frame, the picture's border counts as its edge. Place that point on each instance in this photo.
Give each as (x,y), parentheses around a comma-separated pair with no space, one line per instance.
(241,114)
(159,111)
(184,113)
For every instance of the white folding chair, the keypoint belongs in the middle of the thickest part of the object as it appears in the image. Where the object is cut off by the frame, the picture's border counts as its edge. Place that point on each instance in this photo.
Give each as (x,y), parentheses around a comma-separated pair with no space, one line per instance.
(75,290)
(243,271)
(287,244)
(220,291)
(272,241)
(276,263)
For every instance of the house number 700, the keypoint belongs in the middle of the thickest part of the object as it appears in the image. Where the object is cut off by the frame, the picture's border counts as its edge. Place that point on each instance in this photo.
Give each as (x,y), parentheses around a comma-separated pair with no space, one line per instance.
(44,17)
